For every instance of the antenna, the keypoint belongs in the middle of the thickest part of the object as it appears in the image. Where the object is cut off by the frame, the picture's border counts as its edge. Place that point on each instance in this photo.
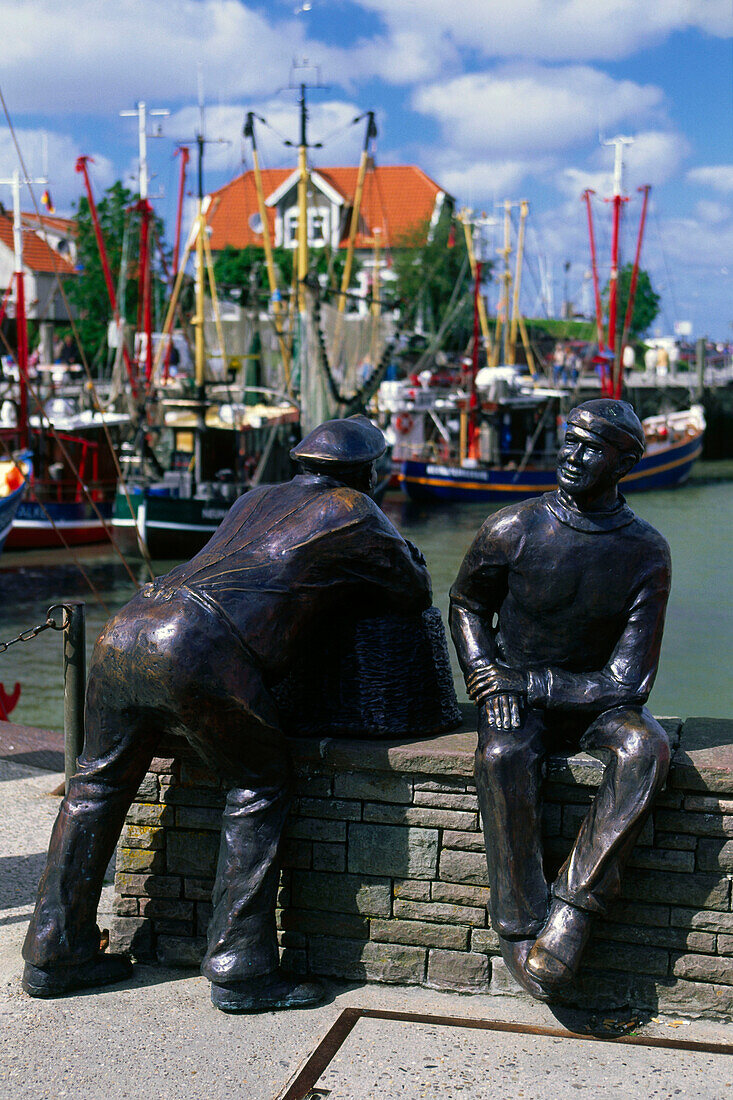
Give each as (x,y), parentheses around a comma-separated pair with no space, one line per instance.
(141,112)
(618,160)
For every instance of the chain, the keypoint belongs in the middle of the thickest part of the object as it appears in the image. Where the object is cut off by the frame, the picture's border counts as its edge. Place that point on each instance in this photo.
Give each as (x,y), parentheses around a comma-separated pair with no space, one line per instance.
(33,631)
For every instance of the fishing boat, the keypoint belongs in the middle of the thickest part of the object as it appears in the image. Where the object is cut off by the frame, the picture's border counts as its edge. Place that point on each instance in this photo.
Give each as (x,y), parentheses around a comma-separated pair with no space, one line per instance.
(674,443)
(14,475)
(72,480)
(210,465)
(71,468)
(208,443)
(494,437)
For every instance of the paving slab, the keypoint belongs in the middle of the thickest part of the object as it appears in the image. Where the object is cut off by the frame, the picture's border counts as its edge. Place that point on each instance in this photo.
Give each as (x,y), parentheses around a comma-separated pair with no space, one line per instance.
(158,1036)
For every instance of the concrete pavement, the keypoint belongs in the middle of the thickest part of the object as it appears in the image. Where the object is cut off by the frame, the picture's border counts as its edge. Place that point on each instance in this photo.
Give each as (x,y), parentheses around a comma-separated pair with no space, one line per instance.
(158,1036)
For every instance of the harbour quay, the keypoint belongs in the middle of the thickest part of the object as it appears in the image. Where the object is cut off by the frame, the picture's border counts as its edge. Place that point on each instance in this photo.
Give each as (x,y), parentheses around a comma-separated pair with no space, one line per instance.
(384,870)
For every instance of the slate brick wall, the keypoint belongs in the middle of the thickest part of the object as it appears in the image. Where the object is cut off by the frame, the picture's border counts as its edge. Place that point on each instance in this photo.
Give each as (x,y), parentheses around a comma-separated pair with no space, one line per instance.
(384,875)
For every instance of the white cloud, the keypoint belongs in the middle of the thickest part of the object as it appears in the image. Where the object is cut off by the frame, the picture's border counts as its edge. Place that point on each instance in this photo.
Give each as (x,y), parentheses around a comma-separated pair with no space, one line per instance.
(713,213)
(654,157)
(91,57)
(530,108)
(40,148)
(717,176)
(554,30)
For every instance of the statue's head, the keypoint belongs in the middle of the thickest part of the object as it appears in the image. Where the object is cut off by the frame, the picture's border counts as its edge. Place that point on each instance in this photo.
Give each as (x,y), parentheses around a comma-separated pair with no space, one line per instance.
(604,440)
(344,449)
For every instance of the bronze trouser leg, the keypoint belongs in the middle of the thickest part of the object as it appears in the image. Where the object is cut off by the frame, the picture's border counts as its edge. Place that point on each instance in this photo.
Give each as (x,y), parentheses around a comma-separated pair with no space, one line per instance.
(253,756)
(639,755)
(63,928)
(509,783)
(170,665)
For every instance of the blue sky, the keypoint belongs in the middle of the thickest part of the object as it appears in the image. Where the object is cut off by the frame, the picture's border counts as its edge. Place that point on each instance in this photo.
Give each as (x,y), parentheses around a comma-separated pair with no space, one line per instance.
(494,98)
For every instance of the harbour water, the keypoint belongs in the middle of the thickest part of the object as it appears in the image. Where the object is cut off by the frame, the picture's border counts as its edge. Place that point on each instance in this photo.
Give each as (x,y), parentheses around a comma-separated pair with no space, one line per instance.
(694,676)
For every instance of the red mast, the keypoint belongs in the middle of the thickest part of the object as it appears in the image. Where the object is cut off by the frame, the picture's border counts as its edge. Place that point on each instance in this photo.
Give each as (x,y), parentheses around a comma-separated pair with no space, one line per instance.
(185,155)
(617,200)
(473,399)
(632,292)
(81,166)
(594,269)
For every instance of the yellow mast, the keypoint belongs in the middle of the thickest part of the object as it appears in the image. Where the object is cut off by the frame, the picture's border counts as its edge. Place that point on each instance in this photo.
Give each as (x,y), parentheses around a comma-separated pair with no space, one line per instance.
(371,133)
(523,211)
(502,314)
(249,131)
(376,309)
(463,217)
(302,204)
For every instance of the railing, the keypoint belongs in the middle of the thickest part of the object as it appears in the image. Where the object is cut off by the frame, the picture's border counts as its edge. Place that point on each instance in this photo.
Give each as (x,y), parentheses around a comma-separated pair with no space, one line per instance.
(73,625)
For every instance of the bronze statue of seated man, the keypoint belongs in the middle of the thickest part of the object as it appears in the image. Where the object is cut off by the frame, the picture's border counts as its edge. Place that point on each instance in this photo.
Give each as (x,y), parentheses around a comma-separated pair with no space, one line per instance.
(195,653)
(557,616)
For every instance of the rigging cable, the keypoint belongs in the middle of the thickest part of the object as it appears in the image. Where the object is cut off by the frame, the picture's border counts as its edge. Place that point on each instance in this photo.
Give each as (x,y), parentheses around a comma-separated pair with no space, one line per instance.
(94,590)
(85,363)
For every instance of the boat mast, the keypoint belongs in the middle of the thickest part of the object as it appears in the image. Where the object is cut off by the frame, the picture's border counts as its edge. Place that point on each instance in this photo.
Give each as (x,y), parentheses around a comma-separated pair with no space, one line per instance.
(468,231)
(371,133)
(617,200)
(185,157)
(523,211)
(594,270)
(146,211)
(302,201)
(632,293)
(502,314)
(21,321)
(81,166)
(275,296)
(21,324)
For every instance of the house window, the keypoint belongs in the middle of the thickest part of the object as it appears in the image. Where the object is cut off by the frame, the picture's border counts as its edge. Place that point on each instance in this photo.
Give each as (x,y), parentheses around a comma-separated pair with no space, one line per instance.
(317,228)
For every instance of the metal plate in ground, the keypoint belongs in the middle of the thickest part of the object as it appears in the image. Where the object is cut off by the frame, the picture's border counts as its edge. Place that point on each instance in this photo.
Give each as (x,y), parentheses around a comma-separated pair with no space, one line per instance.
(384,1057)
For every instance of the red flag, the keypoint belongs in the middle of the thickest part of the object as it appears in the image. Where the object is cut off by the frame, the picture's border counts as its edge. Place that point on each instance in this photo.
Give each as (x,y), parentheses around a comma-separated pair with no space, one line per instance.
(48,202)
(452,236)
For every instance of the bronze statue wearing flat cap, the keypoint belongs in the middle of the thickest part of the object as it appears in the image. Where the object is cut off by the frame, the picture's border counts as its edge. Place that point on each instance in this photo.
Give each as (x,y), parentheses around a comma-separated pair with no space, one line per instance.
(196,653)
(557,616)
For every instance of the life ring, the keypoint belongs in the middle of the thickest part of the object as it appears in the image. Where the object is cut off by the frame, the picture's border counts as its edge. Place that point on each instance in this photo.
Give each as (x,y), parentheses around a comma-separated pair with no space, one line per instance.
(403,423)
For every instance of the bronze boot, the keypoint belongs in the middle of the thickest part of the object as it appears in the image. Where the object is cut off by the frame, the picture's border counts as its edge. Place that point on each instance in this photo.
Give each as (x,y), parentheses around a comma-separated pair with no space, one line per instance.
(554,959)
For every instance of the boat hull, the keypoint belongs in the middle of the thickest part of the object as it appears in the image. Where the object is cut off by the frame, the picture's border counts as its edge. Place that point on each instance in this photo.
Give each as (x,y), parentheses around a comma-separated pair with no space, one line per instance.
(67,523)
(664,468)
(171,527)
(8,510)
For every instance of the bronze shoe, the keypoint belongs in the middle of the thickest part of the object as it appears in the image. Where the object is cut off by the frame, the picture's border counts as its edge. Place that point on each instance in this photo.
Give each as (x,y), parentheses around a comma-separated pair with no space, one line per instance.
(554,960)
(266,994)
(514,953)
(57,980)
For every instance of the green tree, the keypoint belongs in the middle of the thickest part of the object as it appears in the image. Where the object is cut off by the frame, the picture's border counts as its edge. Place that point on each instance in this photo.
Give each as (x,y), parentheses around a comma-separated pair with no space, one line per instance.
(427,265)
(241,273)
(646,302)
(120,223)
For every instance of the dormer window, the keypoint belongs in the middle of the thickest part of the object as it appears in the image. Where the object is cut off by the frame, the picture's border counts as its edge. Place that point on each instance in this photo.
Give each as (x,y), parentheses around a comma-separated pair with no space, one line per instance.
(318,231)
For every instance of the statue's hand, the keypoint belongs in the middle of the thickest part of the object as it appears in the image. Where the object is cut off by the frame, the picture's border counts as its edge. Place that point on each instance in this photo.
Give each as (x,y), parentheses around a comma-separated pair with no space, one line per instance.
(495,680)
(503,711)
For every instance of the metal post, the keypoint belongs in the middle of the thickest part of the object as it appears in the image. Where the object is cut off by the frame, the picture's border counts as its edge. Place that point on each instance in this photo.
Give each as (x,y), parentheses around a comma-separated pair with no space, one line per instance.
(75,676)
(700,349)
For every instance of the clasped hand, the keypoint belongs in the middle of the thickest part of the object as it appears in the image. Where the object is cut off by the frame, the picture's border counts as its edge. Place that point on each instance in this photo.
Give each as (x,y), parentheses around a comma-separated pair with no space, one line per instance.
(502,691)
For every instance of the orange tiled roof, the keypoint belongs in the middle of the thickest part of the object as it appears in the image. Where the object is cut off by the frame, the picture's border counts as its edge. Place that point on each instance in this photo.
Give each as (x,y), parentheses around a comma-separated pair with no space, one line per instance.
(395,200)
(37,256)
(66,226)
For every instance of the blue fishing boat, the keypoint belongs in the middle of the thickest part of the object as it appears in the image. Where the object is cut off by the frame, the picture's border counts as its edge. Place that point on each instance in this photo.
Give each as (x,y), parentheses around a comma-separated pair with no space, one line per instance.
(674,443)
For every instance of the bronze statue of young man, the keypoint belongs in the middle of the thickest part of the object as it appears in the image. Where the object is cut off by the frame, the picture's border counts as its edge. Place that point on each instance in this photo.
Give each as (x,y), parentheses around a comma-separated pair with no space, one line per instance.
(194,654)
(557,615)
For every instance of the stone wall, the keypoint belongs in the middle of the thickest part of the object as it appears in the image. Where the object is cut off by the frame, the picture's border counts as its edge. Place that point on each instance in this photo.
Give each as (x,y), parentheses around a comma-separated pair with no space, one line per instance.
(384,874)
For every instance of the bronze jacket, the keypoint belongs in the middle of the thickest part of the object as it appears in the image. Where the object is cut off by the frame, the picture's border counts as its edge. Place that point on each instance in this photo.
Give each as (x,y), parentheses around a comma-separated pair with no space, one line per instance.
(286,553)
(575,599)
